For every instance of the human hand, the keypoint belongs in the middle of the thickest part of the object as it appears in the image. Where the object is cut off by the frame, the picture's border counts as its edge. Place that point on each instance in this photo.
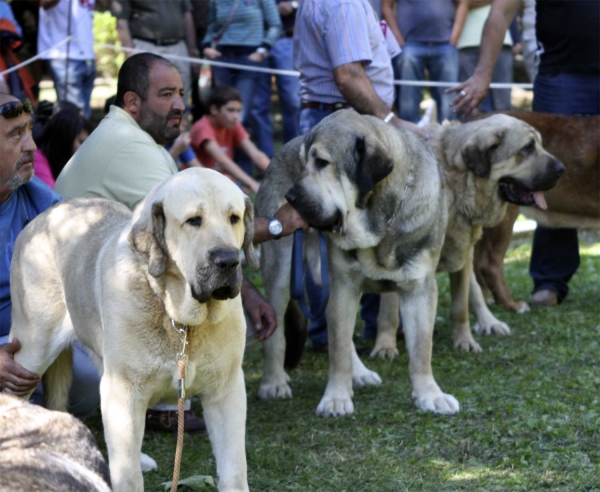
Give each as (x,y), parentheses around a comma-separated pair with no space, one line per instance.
(285,8)
(14,378)
(256,57)
(290,219)
(470,94)
(517,48)
(180,144)
(260,311)
(407,125)
(211,53)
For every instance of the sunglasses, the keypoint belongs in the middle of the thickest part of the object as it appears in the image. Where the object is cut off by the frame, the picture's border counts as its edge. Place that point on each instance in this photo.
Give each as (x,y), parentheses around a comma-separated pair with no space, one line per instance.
(15,109)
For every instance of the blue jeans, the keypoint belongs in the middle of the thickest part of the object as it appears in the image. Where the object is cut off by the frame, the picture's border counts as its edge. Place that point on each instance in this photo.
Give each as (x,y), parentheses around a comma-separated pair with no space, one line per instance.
(288,90)
(441,60)
(84,396)
(555,253)
(80,81)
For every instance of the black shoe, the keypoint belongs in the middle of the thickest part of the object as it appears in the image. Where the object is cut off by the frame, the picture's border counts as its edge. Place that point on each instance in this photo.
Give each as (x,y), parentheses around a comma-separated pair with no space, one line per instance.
(166,421)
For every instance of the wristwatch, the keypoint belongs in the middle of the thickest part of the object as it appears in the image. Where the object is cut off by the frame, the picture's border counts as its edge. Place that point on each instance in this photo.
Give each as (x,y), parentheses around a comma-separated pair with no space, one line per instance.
(294,5)
(262,51)
(275,228)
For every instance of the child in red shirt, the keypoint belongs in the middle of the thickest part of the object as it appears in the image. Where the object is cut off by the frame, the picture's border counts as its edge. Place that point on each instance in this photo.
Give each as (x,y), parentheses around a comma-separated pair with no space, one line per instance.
(215,136)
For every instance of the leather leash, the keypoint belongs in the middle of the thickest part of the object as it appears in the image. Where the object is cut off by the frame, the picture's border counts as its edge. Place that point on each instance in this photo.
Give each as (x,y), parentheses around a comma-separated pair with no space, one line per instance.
(297,278)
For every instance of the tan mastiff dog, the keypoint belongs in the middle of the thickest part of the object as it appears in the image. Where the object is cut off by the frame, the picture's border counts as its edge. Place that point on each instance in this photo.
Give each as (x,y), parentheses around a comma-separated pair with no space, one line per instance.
(376,192)
(486,164)
(87,269)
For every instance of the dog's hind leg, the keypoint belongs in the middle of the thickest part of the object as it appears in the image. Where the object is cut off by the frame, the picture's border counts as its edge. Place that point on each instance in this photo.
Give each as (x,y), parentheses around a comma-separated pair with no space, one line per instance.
(418,302)
(459,311)
(387,326)
(276,275)
(487,323)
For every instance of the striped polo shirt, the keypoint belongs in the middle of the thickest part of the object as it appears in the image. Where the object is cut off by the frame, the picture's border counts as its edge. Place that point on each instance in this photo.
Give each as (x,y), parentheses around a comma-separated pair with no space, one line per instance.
(330,33)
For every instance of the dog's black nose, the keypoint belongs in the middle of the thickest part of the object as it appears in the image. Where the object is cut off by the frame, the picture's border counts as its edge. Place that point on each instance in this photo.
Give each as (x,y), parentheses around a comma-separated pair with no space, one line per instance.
(558,168)
(225,259)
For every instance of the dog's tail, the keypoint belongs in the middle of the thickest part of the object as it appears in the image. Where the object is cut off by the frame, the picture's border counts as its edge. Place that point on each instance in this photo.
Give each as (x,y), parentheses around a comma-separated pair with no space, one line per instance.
(57,381)
(296,330)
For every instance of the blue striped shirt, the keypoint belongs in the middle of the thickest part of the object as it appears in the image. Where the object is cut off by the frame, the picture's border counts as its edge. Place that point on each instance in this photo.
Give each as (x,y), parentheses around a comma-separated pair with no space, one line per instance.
(330,33)
(246,26)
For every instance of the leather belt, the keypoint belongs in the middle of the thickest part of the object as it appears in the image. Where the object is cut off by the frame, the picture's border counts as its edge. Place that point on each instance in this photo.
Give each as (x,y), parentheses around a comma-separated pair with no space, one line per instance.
(160,42)
(325,106)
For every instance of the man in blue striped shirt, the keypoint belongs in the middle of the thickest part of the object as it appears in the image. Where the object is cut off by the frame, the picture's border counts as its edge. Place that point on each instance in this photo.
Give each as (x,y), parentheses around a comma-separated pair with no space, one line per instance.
(342,57)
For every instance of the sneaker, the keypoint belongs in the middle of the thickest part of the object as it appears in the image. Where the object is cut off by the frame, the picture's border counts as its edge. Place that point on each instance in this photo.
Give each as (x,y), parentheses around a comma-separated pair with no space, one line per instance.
(166,421)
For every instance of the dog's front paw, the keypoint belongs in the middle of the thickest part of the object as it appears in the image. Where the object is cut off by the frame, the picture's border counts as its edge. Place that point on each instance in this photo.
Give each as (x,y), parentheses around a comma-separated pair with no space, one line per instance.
(384,352)
(366,377)
(522,307)
(492,326)
(147,463)
(335,406)
(466,343)
(268,391)
(436,401)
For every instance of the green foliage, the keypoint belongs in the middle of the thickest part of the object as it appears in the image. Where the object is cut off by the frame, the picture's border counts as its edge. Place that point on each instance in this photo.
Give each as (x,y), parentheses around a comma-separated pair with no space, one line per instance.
(108,61)
(529,417)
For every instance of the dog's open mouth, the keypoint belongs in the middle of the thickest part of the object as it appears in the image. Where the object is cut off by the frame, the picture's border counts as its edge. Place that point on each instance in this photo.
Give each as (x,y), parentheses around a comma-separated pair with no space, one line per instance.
(512,192)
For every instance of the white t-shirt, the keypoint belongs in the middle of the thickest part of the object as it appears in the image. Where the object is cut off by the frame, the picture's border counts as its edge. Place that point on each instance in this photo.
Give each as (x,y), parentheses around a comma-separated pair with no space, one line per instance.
(54,27)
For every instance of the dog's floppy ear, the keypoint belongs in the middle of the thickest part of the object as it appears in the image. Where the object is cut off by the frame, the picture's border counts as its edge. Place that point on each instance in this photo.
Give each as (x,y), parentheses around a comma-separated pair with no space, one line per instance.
(249,253)
(370,168)
(478,149)
(147,239)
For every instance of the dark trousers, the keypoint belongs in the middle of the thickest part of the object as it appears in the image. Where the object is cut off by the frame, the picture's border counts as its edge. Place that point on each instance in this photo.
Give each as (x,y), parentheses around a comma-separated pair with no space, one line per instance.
(555,253)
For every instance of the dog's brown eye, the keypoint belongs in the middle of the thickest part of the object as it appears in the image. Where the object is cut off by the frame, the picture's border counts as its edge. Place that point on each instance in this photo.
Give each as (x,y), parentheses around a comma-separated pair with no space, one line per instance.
(234,219)
(194,221)
(320,163)
(529,148)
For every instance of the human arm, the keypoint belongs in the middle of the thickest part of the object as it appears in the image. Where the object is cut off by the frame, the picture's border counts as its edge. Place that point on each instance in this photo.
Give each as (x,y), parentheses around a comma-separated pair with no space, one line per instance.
(473,90)
(460,18)
(256,156)
(290,220)
(212,148)
(124,35)
(352,81)
(387,11)
(260,311)
(14,378)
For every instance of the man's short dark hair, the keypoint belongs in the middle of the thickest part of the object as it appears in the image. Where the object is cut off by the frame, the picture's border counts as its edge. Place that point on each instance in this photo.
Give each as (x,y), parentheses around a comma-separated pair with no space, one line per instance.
(221,95)
(134,76)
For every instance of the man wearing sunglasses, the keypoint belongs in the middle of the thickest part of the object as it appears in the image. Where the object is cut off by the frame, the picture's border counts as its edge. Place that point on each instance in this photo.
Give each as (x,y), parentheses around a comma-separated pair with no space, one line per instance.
(23,197)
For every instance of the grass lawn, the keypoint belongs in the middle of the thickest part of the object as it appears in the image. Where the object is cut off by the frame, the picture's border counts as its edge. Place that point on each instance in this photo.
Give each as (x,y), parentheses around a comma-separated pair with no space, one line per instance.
(529,418)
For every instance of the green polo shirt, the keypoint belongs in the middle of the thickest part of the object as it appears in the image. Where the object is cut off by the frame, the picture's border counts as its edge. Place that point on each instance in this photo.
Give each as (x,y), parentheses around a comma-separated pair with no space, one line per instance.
(118,161)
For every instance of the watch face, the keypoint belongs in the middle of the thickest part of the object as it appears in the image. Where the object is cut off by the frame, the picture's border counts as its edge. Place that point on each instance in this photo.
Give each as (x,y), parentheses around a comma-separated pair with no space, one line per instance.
(275,228)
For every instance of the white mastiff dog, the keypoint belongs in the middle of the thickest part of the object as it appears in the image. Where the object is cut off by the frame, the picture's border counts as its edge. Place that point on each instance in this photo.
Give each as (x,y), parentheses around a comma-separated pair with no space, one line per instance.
(87,269)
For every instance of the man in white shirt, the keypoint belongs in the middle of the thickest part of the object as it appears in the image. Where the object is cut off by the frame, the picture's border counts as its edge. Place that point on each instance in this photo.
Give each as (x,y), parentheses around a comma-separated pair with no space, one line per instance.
(73,81)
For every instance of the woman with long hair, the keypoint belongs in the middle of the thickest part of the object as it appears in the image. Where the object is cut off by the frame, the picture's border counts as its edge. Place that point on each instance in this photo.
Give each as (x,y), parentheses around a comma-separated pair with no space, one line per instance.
(59,140)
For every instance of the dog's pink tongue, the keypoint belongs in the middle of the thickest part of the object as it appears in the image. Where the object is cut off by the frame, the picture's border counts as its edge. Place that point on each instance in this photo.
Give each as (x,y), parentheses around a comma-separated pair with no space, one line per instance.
(540,201)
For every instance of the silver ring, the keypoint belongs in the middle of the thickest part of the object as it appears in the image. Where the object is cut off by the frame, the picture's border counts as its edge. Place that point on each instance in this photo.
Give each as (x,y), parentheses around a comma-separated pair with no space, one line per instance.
(463,93)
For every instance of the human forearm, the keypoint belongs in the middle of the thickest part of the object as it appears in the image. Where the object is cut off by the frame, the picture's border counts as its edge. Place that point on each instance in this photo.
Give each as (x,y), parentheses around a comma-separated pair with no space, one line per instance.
(475,4)
(352,81)
(124,35)
(460,18)
(190,34)
(388,14)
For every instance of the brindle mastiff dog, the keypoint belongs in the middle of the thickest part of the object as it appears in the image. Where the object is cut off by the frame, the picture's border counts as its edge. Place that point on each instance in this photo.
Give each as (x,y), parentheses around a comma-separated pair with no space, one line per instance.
(87,269)
(377,194)
(486,164)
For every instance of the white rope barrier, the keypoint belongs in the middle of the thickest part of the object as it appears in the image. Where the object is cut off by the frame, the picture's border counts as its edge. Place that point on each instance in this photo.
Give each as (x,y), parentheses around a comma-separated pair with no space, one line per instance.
(34,58)
(273,71)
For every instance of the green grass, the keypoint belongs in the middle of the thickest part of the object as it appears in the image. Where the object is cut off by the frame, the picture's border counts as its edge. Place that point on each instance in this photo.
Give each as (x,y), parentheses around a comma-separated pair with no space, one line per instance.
(529,419)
